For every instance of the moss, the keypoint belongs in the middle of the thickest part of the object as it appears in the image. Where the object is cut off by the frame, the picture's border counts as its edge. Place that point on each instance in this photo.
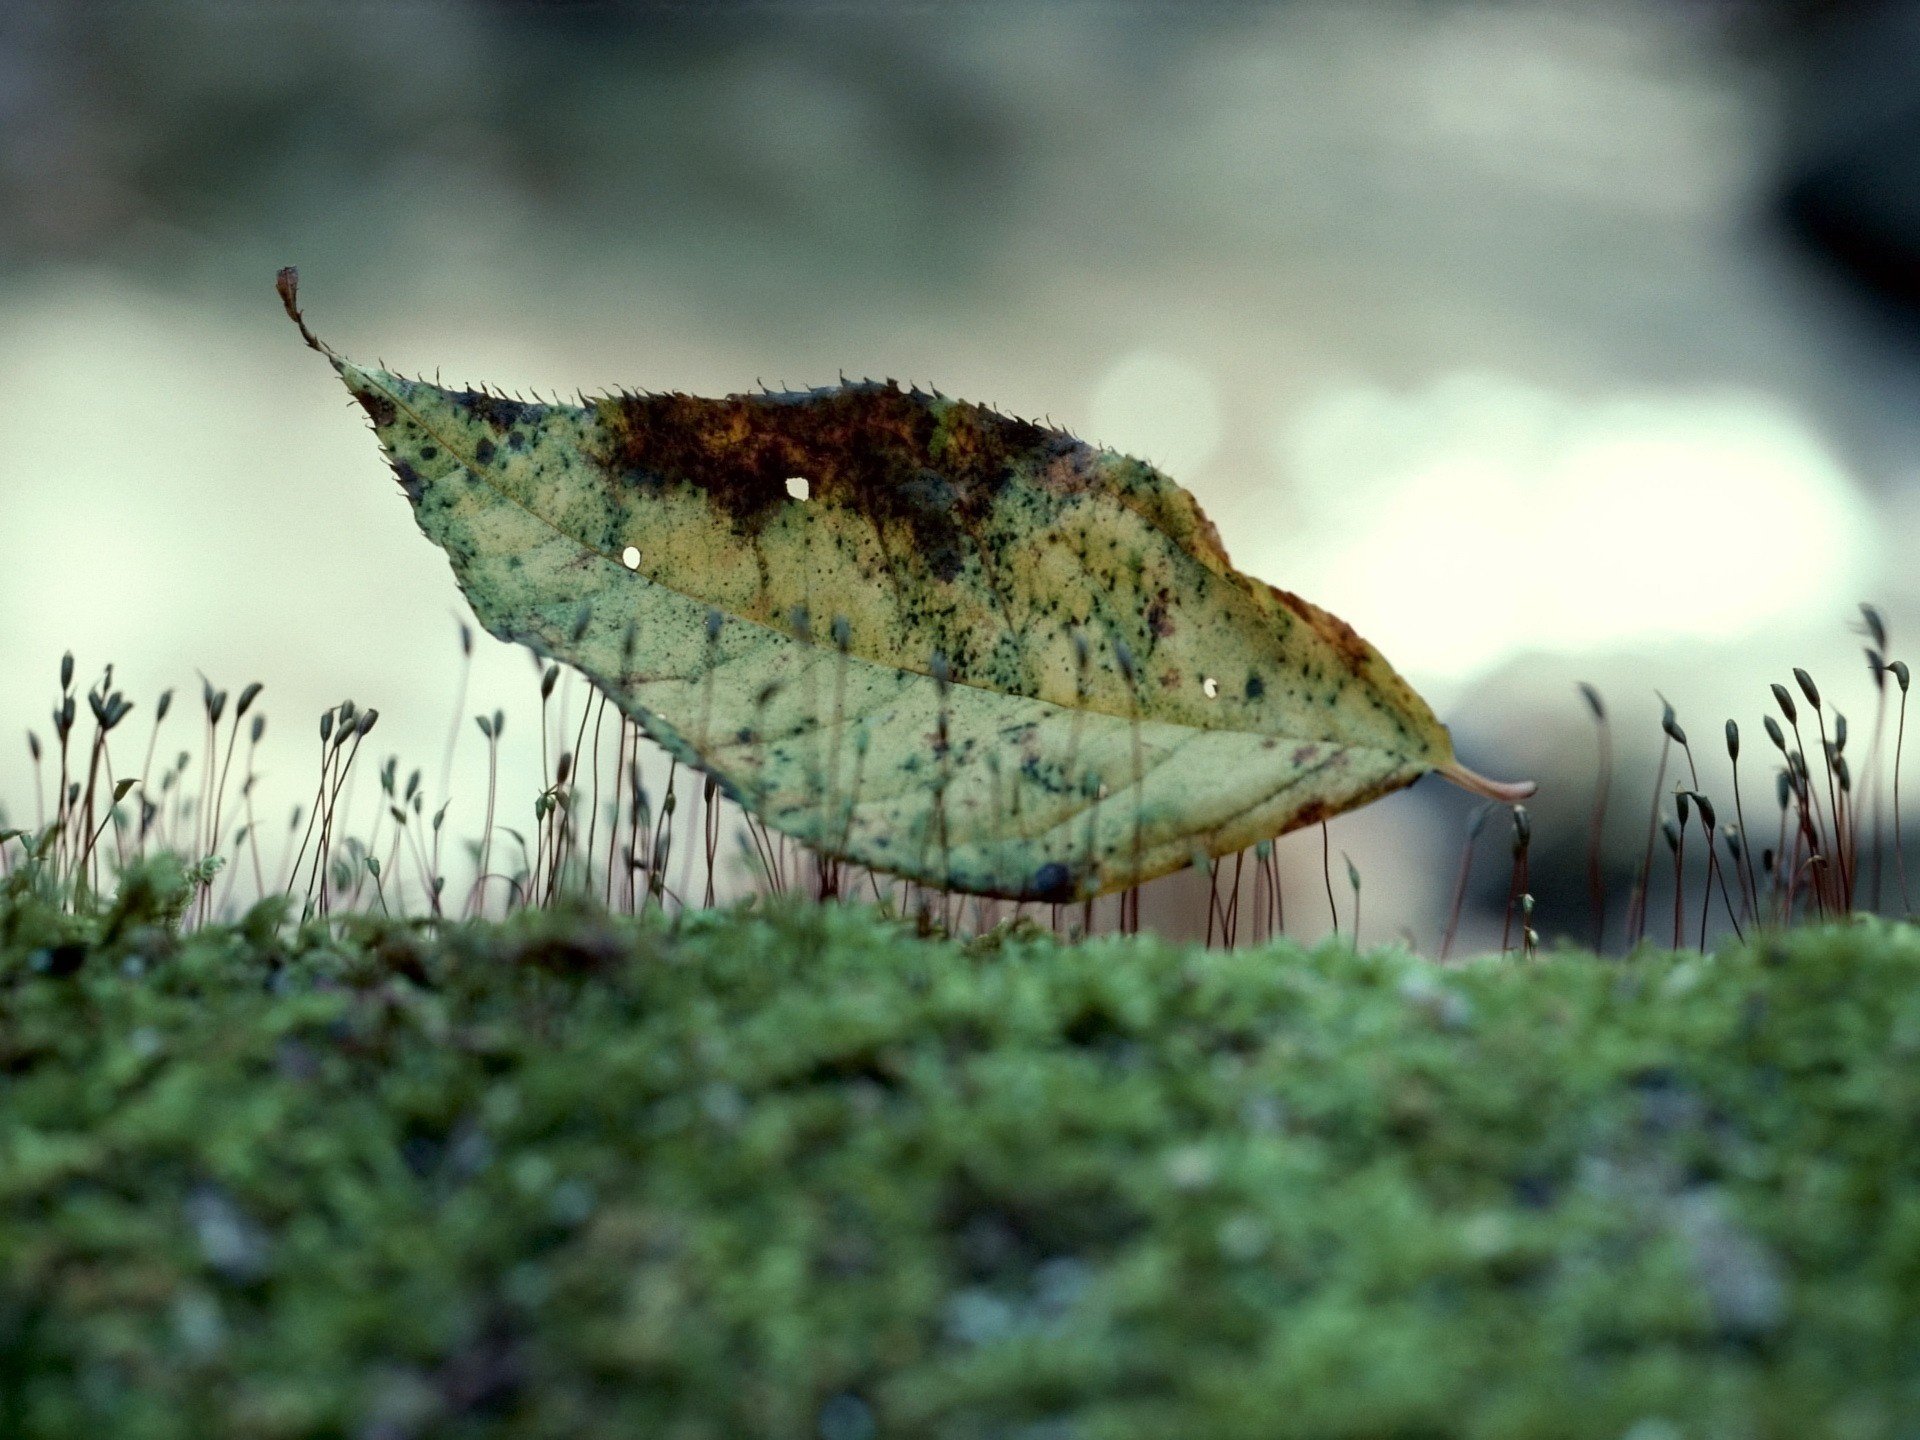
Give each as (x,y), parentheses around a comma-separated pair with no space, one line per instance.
(794,1171)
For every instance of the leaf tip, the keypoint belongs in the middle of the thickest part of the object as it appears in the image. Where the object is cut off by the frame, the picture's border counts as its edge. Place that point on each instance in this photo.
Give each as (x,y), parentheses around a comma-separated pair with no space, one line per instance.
(287,283)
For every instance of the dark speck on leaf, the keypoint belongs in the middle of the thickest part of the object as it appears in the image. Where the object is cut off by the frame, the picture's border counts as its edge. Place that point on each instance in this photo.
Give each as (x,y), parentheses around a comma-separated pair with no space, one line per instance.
(499,413)
(1052,882)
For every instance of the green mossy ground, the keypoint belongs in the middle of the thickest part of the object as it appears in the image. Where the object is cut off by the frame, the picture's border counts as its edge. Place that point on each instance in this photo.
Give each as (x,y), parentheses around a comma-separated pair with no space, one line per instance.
(793,1172)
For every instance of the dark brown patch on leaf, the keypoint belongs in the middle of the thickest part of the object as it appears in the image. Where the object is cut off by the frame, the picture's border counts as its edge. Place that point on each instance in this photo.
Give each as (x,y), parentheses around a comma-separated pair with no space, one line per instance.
(380,409)
(1347,644)
(498,412)
(1051,884)
(1311,813)
(979,443)
(409,479)
(873,448)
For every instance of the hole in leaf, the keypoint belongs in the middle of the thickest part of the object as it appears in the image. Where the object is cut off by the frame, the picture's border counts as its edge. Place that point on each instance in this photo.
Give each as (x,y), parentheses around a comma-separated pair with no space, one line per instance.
(630,557)
(1210,687)
(798,487)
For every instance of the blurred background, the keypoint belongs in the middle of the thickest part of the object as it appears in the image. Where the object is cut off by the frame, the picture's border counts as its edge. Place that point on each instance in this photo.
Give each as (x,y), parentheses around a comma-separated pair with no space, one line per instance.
(1545,343)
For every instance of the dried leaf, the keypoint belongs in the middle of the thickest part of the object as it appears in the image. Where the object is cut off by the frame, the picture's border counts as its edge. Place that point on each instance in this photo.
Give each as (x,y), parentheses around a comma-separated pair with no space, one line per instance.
(907,630)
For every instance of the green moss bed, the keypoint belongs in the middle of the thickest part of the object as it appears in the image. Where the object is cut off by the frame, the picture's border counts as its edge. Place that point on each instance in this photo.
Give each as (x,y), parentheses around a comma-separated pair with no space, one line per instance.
(793,1171)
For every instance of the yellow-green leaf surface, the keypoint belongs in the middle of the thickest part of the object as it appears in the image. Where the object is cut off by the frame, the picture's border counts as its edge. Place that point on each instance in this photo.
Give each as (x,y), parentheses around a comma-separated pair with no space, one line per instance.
(907,630)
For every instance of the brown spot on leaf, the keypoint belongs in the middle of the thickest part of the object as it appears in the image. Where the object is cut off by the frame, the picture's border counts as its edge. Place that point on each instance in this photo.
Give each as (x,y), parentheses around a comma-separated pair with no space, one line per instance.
(380,409)
(1207,536)
(1052,883)
(892,455)
(1354,652)
(497,412)
(1311,813)
(1071,470)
